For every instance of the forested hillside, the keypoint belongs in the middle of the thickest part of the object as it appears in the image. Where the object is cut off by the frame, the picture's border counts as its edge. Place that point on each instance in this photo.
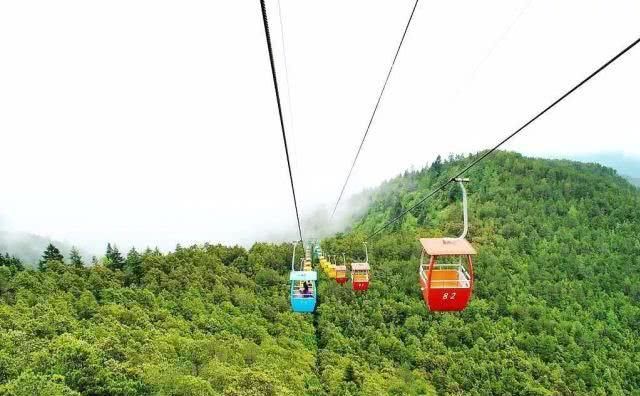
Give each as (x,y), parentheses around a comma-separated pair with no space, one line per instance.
(200,321)
(556,308)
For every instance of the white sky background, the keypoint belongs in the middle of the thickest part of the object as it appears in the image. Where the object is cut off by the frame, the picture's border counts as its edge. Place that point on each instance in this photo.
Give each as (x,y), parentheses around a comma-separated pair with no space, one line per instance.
(154,122)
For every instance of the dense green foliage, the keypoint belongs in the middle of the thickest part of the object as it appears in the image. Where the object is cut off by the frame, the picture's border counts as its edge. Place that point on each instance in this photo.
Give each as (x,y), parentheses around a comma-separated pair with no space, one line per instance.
(556,304)
(200,321)
(555,311)
(51,254)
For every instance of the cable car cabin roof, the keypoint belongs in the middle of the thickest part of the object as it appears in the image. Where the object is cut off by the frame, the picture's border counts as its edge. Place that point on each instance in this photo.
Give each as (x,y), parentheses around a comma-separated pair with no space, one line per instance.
(303,276)
(446,246)
(360,266)
(341,267)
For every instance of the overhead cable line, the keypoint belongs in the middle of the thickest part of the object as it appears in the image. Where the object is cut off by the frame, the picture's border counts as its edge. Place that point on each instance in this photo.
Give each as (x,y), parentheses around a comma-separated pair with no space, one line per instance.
(492,150)
(286,66)
(366,132)
(284,135)
(471,78)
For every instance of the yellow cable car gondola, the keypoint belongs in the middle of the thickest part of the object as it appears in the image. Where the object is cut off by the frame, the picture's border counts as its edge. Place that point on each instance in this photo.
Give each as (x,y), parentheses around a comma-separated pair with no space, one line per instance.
(331,269)
(341,272)
(307,266)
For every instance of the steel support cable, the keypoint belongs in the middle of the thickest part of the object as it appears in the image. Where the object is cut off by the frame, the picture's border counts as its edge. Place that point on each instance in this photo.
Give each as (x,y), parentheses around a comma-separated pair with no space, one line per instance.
(286,68)
(284,135)
(492,49)
(492,150)
(375,109)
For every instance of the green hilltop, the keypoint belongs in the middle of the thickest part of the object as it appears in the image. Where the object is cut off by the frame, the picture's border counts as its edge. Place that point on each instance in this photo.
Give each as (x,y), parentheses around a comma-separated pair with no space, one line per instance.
(555,311)
(556,301)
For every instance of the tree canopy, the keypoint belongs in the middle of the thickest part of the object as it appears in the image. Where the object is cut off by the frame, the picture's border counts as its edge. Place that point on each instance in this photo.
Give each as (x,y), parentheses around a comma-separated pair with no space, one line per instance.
(555,310)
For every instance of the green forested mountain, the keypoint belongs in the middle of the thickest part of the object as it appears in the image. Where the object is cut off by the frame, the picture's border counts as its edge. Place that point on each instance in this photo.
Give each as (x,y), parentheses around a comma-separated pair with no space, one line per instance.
(624,164)
(200,321)
(556,307)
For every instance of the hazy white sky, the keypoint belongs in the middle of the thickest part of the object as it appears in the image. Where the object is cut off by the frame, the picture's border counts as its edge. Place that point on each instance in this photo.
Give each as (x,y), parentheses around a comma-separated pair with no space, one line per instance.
(154,122)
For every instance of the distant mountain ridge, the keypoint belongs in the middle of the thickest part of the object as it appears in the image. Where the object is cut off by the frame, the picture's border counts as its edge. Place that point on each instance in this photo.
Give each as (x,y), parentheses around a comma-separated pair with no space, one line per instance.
(28,247)
(626,165)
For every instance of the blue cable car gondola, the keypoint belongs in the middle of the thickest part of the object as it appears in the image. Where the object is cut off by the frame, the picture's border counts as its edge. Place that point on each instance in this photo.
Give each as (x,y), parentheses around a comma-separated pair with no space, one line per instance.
(303,287)
(303,290)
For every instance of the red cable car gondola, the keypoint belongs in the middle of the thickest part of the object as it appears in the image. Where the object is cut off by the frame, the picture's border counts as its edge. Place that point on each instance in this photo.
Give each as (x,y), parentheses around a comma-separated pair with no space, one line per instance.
(447,279)
(360,273)
(360,276)
(341,272)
